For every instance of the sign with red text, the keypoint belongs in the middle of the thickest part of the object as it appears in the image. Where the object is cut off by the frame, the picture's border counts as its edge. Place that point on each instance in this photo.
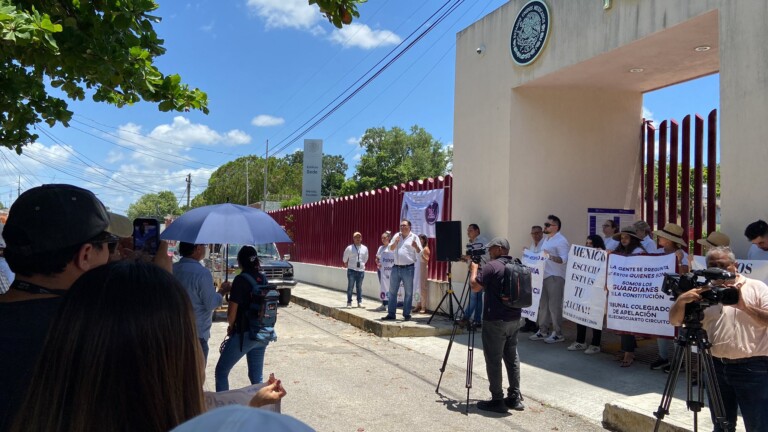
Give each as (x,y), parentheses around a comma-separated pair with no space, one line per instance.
(584,295)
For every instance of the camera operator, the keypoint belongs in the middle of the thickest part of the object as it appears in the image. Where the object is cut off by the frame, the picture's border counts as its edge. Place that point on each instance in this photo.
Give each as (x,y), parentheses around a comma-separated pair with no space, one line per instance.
(500,327)
(739,337)
(476,243)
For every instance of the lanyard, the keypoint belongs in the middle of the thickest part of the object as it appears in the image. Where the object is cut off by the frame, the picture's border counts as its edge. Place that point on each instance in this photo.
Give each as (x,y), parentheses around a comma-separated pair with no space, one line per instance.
(36,289)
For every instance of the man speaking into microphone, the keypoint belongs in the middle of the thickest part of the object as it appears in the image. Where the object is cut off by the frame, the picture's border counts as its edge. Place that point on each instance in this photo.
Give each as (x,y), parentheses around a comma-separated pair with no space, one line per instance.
(406,246)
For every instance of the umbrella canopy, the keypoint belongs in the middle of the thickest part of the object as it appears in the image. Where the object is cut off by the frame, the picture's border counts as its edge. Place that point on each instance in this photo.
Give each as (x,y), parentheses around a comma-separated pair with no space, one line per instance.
(225,223)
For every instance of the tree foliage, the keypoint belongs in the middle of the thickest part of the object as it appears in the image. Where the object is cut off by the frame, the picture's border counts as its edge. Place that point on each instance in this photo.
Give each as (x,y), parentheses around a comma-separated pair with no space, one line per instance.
(339,12)
(105,48)
(705,176)
(155,205)
(395,156)
(334,171)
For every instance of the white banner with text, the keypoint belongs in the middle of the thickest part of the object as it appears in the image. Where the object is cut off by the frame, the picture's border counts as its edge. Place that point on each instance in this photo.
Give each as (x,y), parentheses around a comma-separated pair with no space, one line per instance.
(536,261)
(752,269)
(584,295)
(423,209)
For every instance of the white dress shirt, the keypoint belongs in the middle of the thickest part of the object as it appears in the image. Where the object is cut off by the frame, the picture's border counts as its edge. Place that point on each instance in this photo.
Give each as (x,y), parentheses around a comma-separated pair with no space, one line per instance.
(405,253)
(556,245)
(354,254)
(755,253)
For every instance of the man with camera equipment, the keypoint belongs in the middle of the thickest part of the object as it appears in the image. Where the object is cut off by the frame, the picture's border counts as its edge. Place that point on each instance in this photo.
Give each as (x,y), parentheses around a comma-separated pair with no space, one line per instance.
(476,252)
(735,317)
(355,257)
(500,327)
(407,247)
(556,247)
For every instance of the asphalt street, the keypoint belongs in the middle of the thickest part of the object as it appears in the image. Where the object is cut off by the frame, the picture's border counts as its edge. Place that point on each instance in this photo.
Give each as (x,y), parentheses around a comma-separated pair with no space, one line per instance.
(340,378)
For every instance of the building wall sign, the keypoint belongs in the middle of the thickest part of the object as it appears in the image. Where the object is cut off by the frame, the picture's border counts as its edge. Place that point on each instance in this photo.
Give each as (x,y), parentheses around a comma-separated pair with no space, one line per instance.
(530,32)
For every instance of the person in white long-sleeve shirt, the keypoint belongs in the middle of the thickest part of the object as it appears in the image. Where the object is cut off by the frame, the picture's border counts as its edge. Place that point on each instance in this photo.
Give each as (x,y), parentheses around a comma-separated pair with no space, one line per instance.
(644,231)
(355,257)
(757,234)
(406,246)
(550,318)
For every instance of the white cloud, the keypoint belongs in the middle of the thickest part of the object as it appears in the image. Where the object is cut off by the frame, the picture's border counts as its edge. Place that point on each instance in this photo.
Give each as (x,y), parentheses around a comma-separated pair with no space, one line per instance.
(266,120)
(357,157)
(208,28)
(362,36)
(647,114)
(354,140)
(286,13)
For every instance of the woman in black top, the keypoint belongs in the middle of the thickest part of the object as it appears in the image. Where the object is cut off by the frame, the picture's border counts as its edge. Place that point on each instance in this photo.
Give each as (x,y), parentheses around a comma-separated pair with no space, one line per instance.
(241,342)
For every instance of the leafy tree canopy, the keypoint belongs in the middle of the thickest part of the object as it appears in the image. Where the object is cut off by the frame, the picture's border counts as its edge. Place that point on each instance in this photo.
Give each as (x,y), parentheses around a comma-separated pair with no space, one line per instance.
(395,156)
(156,205)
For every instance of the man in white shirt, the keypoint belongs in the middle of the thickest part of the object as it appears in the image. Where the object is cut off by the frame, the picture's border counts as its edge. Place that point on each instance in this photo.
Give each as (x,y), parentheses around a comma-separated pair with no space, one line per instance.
(556,248)
(610,229)
(757,233)
(355,257)
(406,246)
(644,231)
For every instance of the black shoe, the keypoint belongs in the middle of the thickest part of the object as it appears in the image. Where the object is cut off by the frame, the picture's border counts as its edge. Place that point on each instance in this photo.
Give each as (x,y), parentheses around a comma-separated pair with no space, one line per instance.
(660,363)
(407,318)
(478,325)
(668,368)
(388,318)
(494,405)
(514,403)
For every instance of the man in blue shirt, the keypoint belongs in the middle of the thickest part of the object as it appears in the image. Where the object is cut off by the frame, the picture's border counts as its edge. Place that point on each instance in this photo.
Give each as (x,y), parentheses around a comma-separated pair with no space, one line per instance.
(198,282)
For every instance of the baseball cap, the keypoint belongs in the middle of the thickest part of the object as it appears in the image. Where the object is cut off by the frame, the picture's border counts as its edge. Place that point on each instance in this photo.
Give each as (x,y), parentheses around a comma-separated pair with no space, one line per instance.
(498,241)
(53,216)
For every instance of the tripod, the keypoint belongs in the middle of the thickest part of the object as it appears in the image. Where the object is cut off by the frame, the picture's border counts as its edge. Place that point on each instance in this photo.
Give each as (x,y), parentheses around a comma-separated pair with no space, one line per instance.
(450,295)
(692,334)
(471,330)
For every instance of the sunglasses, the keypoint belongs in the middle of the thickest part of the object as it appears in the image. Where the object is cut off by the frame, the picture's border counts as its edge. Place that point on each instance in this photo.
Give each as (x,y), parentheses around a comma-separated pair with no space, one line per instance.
(547,224)
(106,238)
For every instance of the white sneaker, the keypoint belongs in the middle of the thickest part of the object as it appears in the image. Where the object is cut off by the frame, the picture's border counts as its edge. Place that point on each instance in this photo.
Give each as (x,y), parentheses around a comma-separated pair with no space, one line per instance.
(592,349)
(381,308)
(554,338)
(537,336)
(349,305)
(576,346)
(359,304)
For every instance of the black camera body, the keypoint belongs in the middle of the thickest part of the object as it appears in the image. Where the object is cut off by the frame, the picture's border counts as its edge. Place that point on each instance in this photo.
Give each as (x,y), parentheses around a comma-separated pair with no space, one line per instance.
(475,254)
(675,284)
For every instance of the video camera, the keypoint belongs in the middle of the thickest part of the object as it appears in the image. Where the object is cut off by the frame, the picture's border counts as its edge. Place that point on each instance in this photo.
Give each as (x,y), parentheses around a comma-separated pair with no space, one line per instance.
(475,253)
(675,284)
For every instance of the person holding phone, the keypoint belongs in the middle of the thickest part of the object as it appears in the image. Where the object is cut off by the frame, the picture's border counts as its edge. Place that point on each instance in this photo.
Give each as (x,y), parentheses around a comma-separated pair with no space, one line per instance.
(407,247)
(146,235)
(355,257)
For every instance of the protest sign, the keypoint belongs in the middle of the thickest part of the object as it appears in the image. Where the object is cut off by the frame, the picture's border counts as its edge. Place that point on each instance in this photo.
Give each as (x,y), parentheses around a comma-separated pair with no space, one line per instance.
(635,301)
(536,261)
(387,261)
(752,269)
(423,209)
(584,295)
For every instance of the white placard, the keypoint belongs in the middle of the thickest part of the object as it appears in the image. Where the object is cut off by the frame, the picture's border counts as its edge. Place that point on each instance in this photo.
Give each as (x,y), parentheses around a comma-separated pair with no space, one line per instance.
(312,177)
(423,209)
(753,269)
(387,261)
(536,261)
(635,301)
(584,296)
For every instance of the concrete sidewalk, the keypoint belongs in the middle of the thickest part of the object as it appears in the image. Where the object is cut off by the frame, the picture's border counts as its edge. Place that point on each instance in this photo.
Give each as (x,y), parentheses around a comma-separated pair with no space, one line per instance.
(591,386)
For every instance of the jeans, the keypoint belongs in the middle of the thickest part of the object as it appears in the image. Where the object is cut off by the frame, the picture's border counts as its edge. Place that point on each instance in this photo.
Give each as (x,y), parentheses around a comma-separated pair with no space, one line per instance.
(500,343)
(475,307)
(231,354)
(355,278)
(204,346)
(404,274)
(744,386)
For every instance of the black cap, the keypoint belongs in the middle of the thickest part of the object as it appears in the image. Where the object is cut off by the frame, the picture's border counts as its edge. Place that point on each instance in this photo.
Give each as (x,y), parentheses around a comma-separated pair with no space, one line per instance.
(54,216)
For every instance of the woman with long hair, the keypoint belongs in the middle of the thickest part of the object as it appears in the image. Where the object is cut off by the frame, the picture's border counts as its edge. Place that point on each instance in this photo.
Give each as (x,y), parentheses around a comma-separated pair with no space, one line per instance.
(241,342)
(423,260)
(593,241)
(629,244)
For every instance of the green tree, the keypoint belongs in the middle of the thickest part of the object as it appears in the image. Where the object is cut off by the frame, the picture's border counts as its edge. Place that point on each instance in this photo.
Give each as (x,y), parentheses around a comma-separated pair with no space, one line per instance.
(334,171)
(107,48)
(395,156)
(156,205)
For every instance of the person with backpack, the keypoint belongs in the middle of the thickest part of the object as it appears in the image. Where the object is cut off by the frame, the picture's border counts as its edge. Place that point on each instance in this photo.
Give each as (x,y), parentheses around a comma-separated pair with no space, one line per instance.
(501,325)
(251,317)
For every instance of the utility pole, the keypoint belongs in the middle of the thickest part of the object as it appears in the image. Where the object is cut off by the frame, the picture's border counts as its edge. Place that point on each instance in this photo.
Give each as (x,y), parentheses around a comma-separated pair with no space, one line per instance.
(189,187)
(266,171)
(247,185)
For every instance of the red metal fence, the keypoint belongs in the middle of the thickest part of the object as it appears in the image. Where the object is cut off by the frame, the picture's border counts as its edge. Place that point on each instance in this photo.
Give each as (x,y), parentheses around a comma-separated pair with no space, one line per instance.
(321,230)
(674,155)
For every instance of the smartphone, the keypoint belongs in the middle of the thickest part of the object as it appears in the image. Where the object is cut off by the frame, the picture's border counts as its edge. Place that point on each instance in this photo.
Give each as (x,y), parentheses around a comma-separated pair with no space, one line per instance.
(146,235)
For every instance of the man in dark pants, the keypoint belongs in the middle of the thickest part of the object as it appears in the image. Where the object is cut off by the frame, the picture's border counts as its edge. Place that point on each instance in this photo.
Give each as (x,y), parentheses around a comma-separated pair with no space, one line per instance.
(500,327)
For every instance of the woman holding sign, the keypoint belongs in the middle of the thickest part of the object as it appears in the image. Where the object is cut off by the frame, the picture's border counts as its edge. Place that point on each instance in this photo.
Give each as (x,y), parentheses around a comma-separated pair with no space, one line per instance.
(671,241)
(629,244)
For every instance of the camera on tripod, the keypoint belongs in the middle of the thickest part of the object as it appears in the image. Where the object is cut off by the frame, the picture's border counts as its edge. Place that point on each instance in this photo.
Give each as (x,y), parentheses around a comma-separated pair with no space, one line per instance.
(475,254)
(675,284)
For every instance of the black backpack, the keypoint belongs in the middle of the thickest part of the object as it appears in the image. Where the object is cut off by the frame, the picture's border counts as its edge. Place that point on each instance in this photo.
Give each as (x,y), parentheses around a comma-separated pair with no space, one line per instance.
(262,311)
(516,290)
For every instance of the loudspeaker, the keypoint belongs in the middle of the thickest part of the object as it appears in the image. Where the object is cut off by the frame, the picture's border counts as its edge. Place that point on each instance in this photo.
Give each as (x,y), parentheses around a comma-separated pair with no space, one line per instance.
(448,240)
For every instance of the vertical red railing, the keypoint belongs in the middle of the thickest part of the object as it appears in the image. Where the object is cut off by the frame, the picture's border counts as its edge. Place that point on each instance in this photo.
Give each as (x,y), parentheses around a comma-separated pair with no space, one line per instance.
(685,181)
(662,182)
(650,148)
(698,182)
(322,230)
(712,171)
(673,164)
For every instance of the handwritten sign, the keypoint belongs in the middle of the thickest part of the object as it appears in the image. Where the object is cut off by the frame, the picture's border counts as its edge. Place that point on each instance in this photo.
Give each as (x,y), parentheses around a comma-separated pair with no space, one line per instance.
(584,295)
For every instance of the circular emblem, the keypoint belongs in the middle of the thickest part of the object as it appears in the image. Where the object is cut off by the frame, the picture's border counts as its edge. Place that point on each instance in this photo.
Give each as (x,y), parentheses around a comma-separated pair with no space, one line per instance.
(529,33)
(431,212)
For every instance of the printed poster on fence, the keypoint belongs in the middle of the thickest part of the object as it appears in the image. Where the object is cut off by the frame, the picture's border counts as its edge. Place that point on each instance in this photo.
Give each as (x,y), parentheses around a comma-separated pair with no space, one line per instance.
(635,301)
(753,269)
(584,295)
(423,209)
(536,262)
(387,261)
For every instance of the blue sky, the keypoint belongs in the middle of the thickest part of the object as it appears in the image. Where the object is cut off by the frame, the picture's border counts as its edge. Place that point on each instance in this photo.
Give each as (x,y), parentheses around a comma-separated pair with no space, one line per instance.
(268,66)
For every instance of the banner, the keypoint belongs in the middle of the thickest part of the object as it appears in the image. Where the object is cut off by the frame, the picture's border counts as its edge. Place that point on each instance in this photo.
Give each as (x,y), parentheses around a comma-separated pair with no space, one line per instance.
(536,261)
(584,296)
(387,261)
(752,269)
(423,209)
(635,301)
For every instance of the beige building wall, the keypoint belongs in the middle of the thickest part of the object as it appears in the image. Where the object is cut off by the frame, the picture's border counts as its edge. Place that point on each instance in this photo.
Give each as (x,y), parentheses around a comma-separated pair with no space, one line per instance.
(563,134)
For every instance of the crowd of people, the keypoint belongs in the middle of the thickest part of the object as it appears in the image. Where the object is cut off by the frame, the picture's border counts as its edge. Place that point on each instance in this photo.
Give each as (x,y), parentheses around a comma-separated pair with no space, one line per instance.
(95,338)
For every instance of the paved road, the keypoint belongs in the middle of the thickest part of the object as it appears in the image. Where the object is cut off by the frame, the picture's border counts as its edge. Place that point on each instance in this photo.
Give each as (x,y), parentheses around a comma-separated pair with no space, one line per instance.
(339,378)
